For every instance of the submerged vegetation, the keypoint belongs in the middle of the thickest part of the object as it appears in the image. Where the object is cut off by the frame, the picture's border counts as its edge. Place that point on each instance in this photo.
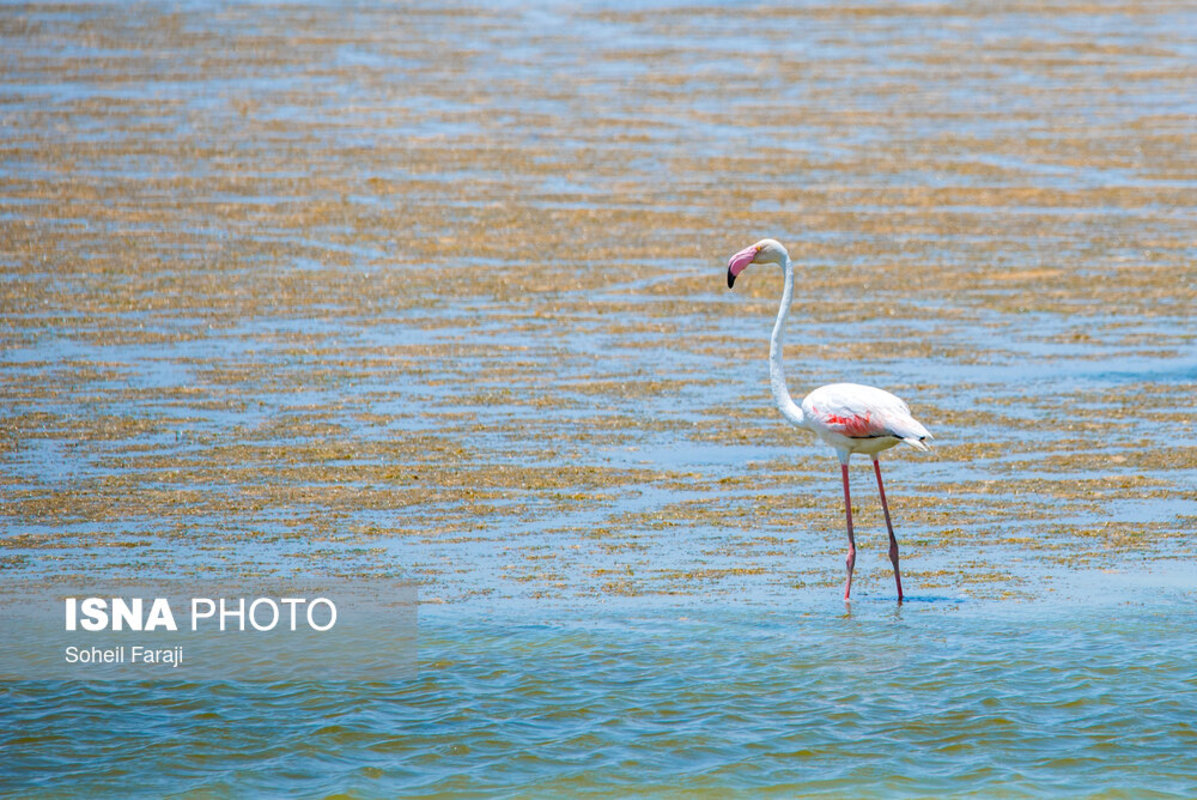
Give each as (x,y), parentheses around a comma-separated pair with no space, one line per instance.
(295,288)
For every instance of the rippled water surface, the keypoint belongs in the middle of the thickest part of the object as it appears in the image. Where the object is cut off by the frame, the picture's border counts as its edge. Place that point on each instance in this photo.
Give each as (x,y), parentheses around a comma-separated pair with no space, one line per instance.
(438,292)
(937,698)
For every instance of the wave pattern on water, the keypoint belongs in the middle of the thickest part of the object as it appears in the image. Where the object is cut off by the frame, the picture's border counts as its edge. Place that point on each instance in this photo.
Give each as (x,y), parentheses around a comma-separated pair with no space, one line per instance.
(914,702)
(439,291)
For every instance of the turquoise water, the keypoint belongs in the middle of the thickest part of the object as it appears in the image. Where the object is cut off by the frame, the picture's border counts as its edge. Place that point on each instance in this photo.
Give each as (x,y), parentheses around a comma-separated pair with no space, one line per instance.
(246,332)
(1092,697)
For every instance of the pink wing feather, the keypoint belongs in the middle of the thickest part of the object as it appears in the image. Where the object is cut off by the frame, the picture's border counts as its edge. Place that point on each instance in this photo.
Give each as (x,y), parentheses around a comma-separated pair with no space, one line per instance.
(857,411)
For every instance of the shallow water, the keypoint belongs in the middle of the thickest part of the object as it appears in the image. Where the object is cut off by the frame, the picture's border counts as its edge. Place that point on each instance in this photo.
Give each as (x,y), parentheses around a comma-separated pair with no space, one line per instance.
(439,293)
(937,697)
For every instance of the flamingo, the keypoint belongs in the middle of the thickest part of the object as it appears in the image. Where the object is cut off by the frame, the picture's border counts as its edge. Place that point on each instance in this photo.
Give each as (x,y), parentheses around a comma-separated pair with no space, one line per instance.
(850,417)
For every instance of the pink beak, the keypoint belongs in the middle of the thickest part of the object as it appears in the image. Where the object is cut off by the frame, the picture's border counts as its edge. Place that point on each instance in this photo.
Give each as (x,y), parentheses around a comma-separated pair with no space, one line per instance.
(737,263)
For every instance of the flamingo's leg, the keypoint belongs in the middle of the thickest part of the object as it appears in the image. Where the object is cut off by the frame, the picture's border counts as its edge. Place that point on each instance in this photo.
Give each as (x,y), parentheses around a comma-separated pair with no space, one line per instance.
(893,541)
(851,561)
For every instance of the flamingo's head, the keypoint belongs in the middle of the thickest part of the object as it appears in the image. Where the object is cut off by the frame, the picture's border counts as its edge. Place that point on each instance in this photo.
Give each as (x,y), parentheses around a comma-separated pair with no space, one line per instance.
(766,251)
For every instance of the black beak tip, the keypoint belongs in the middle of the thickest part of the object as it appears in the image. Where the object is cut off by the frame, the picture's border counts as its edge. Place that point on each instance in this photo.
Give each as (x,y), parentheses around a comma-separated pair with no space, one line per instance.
(731,279)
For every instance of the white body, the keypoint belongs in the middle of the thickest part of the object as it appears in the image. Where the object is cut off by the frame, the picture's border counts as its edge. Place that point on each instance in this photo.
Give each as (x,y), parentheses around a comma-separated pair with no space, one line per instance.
(854,418)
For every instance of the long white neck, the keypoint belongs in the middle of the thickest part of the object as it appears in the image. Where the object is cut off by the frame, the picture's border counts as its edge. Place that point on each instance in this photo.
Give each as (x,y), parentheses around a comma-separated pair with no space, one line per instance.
(777,374)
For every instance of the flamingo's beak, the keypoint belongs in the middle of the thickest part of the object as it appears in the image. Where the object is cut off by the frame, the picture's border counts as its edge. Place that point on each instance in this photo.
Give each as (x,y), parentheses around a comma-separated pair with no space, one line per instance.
(737,263)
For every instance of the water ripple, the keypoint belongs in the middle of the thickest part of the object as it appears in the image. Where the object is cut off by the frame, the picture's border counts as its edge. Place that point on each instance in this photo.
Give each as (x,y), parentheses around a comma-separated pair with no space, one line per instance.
(1069,705)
